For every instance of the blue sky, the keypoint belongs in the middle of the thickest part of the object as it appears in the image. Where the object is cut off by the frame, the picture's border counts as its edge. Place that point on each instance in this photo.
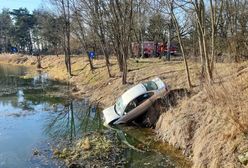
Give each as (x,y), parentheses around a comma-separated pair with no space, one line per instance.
(15,4)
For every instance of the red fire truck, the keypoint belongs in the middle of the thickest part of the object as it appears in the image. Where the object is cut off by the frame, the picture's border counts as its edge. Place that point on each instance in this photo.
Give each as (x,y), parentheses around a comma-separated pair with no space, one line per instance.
(150,48)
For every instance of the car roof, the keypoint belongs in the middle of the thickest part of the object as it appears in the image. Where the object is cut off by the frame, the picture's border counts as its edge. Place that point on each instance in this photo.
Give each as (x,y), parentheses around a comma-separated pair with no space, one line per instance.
(133,92)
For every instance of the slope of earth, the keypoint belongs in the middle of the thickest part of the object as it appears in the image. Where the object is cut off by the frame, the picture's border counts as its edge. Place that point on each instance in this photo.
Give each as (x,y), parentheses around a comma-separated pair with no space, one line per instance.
(210,126)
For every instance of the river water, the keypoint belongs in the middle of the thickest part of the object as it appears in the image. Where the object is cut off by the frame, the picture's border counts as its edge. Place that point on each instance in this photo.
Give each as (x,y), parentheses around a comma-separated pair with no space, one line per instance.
(34,117)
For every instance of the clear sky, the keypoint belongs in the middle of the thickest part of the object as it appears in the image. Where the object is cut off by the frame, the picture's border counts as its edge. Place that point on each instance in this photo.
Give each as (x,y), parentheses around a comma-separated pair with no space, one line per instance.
(15,4)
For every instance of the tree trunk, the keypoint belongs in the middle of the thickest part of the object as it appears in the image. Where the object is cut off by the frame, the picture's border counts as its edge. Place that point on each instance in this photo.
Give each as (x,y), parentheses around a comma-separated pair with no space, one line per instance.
(124,65)
(201,29)
(81,37)
(66,29)
(99,30)
(106,59)
(182,49)
(39,62)
(68,32)
(168,55)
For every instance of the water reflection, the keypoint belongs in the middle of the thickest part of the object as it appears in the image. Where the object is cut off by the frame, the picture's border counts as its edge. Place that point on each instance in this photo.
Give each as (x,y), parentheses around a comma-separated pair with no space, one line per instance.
(13,79)
(10,76)
(30,115)
(41,79)
(138,154)
(72,120)
(9,70)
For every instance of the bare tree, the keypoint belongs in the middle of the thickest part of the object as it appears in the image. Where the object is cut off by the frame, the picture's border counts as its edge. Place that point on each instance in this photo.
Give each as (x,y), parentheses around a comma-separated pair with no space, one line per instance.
(170,6)
(214,24)
(175,22)
(141,12)
(121,25)
(91,13)
(99,27)
(200,10)
(63,7)
(67,33)
(80,30)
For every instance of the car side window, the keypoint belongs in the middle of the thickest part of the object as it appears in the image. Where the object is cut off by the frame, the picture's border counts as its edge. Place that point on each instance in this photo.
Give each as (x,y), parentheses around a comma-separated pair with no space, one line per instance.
(131,105)
(137,101)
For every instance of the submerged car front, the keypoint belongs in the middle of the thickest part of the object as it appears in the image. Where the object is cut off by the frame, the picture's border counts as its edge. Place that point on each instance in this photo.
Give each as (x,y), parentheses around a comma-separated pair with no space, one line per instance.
(110,115)
(118,110)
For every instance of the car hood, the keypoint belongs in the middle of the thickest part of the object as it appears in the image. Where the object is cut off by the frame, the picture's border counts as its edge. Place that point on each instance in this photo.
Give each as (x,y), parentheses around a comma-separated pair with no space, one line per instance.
(110,115)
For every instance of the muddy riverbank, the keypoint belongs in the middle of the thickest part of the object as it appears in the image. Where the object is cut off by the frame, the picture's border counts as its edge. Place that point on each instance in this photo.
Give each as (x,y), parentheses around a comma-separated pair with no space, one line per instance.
(209,127)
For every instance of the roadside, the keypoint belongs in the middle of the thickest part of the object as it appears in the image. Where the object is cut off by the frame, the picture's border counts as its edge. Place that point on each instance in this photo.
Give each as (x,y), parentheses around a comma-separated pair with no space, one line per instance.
(210,126)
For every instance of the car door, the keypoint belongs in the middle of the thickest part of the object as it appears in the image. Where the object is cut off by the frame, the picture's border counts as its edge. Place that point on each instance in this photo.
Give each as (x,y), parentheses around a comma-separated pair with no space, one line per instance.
(135,108)
(137,101)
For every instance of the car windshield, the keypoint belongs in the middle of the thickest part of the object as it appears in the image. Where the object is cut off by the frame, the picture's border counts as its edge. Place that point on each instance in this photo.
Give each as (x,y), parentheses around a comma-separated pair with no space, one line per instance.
(150,85)
(119,106)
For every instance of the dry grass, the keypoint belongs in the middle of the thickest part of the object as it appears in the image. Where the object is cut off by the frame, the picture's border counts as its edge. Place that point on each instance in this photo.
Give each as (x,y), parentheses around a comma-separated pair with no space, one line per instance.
(97,85)
(211,126)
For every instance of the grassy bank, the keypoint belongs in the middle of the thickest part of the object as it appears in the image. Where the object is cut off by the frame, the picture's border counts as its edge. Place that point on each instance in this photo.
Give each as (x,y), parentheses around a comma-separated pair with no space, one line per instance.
(97,85)
(210,126)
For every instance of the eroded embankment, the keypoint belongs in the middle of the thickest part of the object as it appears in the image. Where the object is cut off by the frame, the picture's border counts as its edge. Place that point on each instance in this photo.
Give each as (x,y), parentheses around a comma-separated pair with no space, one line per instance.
(209,126)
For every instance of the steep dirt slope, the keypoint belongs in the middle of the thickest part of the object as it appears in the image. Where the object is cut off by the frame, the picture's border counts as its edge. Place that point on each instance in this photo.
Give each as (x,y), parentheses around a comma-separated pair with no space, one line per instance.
(211,127)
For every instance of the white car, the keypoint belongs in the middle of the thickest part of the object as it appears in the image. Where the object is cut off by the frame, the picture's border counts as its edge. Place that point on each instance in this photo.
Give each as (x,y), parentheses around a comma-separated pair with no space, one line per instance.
(135,101)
